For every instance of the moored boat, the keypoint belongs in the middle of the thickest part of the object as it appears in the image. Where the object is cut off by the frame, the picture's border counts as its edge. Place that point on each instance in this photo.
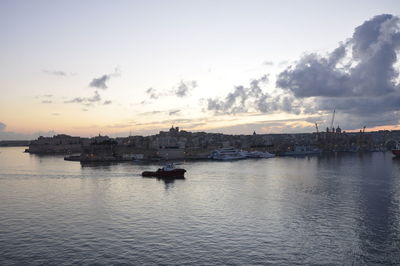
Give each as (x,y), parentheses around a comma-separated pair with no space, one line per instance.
(396,150)
(302,151)
(227,154)
(168,171)
(259,154)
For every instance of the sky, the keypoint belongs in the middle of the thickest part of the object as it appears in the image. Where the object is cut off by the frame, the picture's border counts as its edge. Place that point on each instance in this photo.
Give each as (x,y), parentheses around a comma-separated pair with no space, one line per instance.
(122,68)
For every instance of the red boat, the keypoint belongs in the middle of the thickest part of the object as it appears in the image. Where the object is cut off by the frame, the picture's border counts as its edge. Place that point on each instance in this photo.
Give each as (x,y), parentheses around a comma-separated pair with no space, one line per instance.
(396,150)
(168,171)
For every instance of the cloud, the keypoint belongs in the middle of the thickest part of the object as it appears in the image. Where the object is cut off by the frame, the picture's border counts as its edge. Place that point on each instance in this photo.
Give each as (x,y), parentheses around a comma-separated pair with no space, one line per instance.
(55,114)
(2,126)
(184,88)
(174,112)
(153,94)
(363,66)
(100,82)
(252,98)
(268,63)
(47,101)
(181,90)
(150,113)
(54,72)
(86,100)
(107,102)
(359,78)
(283,63)
(161,112)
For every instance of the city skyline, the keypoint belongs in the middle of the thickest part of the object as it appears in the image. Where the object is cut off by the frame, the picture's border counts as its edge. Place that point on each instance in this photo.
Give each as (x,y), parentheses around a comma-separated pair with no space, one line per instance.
(135,67)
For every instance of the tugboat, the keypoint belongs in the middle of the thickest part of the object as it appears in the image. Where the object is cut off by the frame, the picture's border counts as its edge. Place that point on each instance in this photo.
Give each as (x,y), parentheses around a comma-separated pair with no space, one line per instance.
(396,150)
(168,171)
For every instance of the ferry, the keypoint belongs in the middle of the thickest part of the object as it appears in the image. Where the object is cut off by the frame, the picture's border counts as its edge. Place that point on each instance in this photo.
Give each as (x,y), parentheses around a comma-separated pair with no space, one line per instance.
(227,154)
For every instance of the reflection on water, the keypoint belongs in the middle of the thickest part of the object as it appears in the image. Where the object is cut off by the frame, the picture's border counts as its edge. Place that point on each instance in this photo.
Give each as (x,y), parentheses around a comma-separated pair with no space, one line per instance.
(338,209)
(168,182)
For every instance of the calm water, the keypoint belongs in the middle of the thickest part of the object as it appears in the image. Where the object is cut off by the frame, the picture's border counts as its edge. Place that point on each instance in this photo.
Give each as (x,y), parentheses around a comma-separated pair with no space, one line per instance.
(342,210)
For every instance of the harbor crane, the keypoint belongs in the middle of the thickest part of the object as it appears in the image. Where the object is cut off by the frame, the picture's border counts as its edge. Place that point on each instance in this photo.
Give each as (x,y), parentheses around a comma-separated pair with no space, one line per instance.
(317,136)
(333,119)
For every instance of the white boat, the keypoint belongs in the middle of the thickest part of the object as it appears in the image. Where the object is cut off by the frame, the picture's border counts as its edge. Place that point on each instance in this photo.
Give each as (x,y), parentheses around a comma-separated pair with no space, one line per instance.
(227,154)
(259,154)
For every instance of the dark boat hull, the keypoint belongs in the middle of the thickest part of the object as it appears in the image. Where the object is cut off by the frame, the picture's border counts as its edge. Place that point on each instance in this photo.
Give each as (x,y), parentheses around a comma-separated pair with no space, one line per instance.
(176,173)
(396,153)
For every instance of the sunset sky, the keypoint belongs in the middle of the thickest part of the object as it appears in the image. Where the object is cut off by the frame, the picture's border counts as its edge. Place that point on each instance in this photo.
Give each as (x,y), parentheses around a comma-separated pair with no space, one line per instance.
(138,67)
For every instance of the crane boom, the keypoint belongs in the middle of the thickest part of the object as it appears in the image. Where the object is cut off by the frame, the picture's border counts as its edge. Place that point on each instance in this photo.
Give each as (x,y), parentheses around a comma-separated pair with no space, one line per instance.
(333,118)
(316,127)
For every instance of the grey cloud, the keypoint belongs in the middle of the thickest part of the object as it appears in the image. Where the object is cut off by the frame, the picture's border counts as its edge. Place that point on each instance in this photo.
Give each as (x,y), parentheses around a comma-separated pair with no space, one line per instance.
(359,78)
(174,112)
(75,100)
(107,102)
(371,53)
(153,94)
(157,112)
(54,72)
(184,88)
(100,82)
(2,126)
(47,101)
(242,99)
(86,100)
(268,63)
(283,63)
(314,76)
(150,113)
(55,114)
(181,90)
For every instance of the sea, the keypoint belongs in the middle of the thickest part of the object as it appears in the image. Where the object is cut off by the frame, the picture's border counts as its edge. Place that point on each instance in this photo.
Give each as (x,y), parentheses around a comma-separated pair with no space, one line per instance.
(336,209)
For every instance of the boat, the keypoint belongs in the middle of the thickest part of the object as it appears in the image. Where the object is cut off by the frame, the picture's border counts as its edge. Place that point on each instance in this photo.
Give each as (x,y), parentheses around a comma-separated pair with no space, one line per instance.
(227,154)
(168,171)
(259,154)
(300,150)
(396,150)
